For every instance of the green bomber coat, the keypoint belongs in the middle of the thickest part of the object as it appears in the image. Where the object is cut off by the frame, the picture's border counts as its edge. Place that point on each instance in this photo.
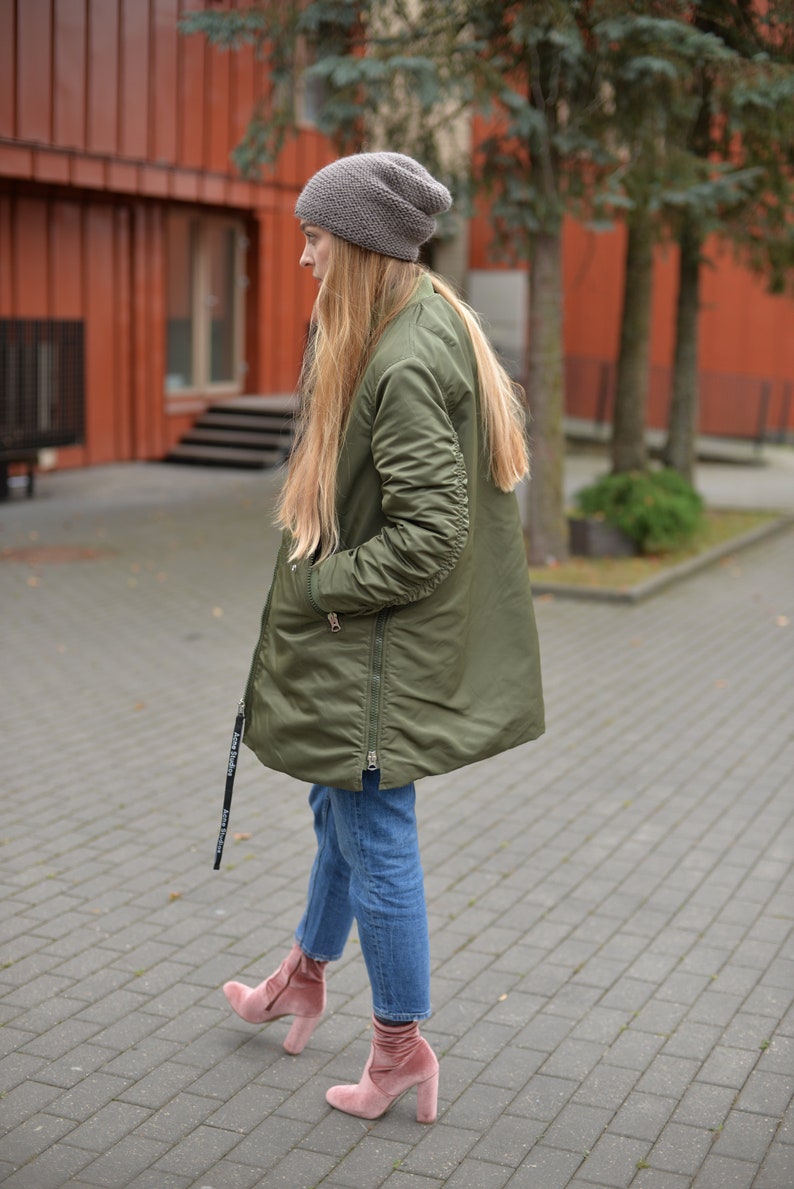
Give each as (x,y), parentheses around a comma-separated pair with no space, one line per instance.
(413,648)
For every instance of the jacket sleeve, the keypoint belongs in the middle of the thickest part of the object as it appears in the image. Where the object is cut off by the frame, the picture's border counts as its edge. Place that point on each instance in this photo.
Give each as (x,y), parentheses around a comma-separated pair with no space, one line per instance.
(423,497)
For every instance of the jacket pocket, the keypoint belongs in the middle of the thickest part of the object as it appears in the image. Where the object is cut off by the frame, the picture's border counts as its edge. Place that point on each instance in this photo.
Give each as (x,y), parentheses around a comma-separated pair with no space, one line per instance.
(301,595)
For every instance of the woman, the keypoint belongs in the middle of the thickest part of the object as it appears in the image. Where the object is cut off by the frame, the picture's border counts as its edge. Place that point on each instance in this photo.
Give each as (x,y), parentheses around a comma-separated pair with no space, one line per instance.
(398,638)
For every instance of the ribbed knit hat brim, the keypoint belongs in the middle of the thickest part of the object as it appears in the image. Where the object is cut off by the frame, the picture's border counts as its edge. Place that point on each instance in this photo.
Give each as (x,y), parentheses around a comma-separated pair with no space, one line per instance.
(385,202)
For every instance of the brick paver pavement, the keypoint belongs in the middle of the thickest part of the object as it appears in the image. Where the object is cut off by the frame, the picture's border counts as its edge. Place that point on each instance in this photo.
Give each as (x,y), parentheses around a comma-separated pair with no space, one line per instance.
(611,907)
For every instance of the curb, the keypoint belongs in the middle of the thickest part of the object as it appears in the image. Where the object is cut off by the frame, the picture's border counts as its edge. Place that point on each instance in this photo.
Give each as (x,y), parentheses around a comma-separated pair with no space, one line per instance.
(659,582)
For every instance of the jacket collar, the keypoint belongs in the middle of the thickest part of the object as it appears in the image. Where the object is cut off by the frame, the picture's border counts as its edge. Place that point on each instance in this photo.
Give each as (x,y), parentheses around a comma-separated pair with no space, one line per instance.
(423,290)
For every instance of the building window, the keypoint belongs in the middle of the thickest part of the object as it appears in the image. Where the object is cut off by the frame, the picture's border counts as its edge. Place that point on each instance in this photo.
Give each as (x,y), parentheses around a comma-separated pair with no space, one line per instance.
(205,296)
(311,91)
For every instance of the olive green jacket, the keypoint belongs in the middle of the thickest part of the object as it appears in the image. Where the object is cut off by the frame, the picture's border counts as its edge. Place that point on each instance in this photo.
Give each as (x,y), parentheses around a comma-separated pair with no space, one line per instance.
(413,648)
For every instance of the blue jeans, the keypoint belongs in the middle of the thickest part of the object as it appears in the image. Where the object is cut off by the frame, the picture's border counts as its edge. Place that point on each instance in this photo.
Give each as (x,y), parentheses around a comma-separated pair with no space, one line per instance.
(367,868)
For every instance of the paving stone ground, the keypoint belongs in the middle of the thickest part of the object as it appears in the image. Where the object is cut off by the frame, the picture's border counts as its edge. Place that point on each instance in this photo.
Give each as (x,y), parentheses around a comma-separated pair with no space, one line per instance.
(611,907)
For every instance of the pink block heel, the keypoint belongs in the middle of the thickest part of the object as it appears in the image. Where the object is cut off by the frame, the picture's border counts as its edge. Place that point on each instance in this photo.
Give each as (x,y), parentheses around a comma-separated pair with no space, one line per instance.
(297,989)
(427,1100)
(300,1031)
(399,1060)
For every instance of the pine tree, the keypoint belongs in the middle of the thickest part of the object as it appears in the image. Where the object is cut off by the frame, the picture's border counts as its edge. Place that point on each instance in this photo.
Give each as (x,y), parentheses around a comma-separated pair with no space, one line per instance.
(744,122)
(397,75)
(651,54)
(595,107)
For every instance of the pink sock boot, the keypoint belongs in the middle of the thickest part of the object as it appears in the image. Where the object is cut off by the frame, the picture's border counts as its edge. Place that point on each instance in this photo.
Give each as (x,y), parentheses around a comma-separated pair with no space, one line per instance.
(296,989)
(400,1058)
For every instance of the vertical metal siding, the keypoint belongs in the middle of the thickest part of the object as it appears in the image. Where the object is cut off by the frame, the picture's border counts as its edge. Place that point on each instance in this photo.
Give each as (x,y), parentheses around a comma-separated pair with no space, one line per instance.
(163,90)
(30,267)
(6,255)
(242,95)
(102,77)
(218,141)
(134,79)
(104,98)
(66,260)
(101,262)
(287,294)
(69,74)
(34,73)
(103,416)
(124,363)
(8,72)
(146,315)
(746,335)
(115,78)
(192,97)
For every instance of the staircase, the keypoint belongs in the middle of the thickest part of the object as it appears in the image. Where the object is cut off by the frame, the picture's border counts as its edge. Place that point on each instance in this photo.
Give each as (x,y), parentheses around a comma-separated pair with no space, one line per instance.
(249,431)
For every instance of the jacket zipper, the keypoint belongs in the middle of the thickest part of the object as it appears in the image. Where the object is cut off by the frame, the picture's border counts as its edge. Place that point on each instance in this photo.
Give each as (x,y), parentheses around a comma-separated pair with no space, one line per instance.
(331,616)
(375,680)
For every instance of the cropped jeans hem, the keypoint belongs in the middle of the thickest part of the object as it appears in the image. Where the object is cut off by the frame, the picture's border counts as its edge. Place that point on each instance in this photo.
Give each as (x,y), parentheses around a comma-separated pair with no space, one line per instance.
(367,868)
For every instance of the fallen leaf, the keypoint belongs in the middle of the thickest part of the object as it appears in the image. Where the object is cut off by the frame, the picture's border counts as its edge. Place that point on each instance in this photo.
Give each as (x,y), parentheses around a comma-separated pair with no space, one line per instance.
(174,895)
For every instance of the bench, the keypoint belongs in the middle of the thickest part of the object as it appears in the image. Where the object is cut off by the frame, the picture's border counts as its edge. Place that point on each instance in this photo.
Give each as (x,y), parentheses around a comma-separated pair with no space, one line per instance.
(26,458)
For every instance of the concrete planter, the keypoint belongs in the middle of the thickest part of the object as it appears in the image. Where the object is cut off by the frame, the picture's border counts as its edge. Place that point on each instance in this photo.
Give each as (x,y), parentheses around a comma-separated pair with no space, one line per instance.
(590,537)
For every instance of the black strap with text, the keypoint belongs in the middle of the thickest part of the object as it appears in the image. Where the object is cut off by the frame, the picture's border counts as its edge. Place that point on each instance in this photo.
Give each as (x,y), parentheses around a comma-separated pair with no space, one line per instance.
(234,753)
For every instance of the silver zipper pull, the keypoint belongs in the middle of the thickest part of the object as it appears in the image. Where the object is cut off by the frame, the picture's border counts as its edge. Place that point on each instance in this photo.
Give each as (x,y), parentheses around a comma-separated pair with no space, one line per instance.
(333,619)
(372,761)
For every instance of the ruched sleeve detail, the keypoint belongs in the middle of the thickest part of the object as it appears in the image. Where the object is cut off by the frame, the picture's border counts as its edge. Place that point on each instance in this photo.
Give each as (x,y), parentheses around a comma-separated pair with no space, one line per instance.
(424,501)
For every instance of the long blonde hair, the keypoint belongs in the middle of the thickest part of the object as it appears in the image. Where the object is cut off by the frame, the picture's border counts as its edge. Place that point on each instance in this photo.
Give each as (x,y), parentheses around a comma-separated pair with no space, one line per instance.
(360,296)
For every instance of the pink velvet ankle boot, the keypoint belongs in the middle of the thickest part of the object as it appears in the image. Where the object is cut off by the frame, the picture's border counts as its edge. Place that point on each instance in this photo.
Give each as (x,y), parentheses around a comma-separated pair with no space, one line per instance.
(296,989)
(399,1059)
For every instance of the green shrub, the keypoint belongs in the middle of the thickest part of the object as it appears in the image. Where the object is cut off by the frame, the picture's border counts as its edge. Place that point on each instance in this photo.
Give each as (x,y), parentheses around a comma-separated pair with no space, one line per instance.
(658,510)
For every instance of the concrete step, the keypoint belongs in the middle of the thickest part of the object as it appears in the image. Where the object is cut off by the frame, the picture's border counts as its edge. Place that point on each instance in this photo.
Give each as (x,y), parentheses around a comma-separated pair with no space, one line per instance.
(231,435)
(249,431)
(271,422)
(285,405)
(225,456)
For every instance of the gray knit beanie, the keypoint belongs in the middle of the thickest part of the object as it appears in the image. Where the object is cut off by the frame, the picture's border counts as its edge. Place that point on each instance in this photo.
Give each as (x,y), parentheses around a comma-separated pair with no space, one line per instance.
(381,201)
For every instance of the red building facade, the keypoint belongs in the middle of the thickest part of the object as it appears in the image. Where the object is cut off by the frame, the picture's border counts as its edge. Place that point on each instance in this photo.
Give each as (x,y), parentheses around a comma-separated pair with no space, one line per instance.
(121,210)
(122,216)
(746,335)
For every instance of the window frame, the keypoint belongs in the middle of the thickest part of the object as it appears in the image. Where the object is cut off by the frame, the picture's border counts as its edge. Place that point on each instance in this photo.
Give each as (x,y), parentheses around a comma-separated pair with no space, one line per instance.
(201,306)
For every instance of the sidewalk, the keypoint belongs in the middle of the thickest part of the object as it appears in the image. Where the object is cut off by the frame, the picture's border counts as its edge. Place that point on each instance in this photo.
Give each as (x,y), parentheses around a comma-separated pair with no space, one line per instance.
(611,907)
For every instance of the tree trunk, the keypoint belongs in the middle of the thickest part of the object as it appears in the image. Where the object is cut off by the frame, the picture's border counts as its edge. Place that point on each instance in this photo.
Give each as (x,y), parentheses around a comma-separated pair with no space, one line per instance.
(548,528)
(679,451)
(629,452)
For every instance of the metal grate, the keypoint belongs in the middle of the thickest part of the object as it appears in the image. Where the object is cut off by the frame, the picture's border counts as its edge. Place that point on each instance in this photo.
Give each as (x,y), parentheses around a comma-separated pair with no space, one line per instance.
(42,384)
